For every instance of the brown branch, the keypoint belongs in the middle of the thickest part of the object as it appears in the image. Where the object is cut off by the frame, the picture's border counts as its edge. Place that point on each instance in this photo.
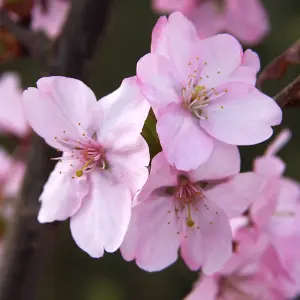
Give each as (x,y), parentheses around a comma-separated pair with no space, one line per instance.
(278,67)
(29,243)
(36,43)
(290,95)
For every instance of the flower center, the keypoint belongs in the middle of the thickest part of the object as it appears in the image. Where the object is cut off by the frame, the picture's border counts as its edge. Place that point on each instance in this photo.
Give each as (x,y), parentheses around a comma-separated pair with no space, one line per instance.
(196,95)
(84,154)
(187,194)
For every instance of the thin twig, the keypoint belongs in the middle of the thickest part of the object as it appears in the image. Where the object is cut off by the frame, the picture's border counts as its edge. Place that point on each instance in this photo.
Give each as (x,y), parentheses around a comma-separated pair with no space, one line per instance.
(290,95)
(277,67)
(28,245)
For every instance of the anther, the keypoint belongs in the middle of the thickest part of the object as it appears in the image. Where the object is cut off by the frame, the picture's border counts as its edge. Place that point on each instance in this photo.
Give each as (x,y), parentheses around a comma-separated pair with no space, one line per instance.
(79,173)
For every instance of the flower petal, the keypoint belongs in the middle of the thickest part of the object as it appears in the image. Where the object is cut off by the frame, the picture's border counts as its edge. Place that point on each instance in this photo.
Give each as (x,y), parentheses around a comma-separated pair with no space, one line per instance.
(75,100)
(184,143)
(216,233)
(224,162)
(248,69)
(12,117)
(192,248)
(235,195)
(161,175)
(125,110)
(241,116)
(63,104)
(210,53)
(158,241)
(62,195)
(206,288)
(251,27)
(103,218)
(175,40)
(159,81)
(130,165)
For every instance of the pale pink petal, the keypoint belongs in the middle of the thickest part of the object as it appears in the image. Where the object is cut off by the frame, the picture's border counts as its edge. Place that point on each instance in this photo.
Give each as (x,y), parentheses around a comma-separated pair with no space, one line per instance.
(130,243)
(65,106)
(192,248)
(269,166)
(207,20)
(158,35)
(161,175)
(184,143)
(12,117)
(157,230)
(62,195)
(75,100)
(130,165)
(265,203)
(159,81)
(52,20)
(181,38)
(171,5)
(126,109)
(285,220)
(247,71)
(206,288)
(223,162)
(250,27)
(216,233)
(241,116)
(279,142)
(175,40)
(235,195)
(210,51)
(103,218)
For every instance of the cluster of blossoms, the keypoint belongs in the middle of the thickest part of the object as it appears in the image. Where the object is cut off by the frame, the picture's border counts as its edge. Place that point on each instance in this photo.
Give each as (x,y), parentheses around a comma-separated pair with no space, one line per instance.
(240,229)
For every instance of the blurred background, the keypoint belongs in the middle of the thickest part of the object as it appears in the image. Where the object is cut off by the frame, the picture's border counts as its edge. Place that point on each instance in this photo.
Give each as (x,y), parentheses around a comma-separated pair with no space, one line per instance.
(73,274)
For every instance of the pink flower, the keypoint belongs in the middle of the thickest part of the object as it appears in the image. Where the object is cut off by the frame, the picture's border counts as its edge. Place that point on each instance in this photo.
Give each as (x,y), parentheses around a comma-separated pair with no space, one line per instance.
(189,210)
(246,20)
(276,214)
(104,157)
(245,276)
(202,91)
(51,19)
(12,118)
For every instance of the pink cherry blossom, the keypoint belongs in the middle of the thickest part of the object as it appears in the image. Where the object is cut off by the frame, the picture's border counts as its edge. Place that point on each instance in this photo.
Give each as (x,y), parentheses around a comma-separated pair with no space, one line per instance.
(51,19)
(246,20)
(276,214)
(12,118)
(190,211)
(104,158)
(202,91)
(245,275)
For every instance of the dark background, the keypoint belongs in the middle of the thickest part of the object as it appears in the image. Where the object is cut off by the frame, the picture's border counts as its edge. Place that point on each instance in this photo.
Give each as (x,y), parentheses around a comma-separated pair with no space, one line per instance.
(73,274)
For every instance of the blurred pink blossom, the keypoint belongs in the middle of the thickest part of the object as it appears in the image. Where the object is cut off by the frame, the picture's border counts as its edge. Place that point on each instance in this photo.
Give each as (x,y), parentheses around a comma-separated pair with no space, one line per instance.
(246,275)
(190,211)
(51,19)
(12,118)
(276,213)
(104,157)
(202,91)
(247,20)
